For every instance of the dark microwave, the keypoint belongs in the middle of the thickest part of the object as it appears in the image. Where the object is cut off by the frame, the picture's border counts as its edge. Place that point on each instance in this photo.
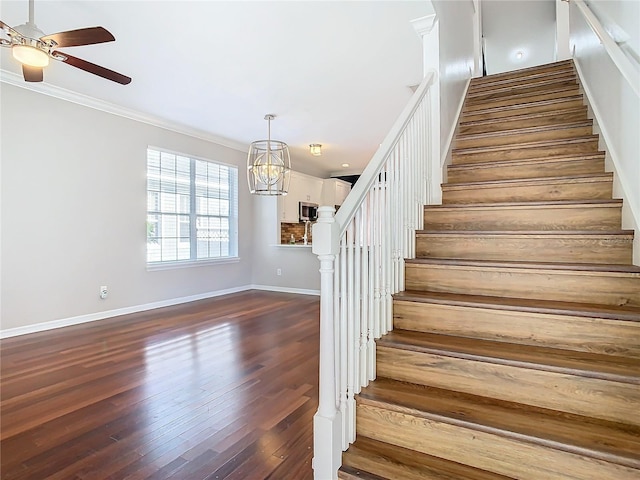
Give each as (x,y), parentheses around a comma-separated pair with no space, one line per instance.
(308,212)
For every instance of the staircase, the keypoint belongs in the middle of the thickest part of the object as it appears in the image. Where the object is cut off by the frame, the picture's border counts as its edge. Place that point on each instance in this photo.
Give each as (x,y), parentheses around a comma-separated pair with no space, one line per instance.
(515,352)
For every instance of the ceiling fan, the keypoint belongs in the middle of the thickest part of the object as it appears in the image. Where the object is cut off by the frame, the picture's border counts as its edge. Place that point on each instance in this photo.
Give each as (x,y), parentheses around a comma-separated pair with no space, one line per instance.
(31,47)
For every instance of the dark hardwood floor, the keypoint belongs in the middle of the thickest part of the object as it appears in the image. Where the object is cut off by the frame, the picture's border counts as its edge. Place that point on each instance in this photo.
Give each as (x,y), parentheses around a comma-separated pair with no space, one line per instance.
(220,388)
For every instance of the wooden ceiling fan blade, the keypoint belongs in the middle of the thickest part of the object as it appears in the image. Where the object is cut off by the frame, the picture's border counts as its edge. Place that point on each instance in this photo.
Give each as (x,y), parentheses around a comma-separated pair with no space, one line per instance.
(32,74)
(81,36)
(95,69)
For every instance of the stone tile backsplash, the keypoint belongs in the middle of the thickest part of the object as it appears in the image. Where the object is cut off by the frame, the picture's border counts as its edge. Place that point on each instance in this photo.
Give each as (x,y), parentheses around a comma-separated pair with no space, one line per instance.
(297,229)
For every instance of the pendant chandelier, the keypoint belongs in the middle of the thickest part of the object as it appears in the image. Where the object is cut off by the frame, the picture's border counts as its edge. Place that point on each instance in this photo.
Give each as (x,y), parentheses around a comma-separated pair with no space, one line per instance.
(268,165)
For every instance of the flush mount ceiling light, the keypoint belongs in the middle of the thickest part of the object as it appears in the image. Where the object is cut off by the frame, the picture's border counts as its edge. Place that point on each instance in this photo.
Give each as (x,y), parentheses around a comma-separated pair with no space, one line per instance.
(315,149)
(268,165)
(519,55)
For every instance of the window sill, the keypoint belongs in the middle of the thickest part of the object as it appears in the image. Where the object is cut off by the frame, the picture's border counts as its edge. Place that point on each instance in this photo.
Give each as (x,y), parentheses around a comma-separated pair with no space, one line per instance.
(152,267)
(292,245)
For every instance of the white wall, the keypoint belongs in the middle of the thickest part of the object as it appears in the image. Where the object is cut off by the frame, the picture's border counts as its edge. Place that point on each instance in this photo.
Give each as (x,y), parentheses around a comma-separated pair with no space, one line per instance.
(615,106)
(455,24)
(74,207)
(299,266)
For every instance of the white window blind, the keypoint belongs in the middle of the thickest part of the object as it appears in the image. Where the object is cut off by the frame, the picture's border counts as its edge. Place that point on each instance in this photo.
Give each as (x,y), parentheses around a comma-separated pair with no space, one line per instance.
(192,209)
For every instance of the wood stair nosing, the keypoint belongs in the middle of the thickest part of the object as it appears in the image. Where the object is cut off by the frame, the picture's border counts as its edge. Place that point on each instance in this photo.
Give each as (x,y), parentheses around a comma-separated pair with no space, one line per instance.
(519,162)
(609,442)
(398,462)
(520,91)
(522,100)
(607,330)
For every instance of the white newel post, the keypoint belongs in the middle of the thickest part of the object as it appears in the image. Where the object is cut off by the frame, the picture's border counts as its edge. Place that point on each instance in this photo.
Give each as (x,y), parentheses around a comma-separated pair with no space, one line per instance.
(327,422)
(428,29)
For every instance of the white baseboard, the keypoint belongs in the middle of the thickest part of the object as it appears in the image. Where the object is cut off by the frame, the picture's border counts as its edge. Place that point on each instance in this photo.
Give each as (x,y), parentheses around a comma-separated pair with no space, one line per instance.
(300,291)
(92,317)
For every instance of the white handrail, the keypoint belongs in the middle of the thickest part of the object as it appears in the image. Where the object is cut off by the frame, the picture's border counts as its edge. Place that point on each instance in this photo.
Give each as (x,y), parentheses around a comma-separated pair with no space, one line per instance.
(368,176)
(613,49)
(362,251)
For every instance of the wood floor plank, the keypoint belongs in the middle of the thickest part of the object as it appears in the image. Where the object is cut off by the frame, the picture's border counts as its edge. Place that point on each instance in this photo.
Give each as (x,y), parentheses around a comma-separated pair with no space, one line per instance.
(218,388)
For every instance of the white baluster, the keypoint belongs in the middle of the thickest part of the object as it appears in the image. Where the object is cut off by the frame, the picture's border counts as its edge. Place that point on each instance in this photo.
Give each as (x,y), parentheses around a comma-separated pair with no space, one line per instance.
(351,336)
(357,290)
(371,329)
(344,365)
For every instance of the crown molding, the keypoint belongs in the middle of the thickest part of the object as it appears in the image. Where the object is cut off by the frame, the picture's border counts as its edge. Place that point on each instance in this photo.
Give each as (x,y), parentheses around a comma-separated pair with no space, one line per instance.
(424,25)
(91,102)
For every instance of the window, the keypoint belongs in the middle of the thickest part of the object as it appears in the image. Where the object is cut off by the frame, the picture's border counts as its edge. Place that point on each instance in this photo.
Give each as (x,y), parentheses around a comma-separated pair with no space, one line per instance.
(192,209)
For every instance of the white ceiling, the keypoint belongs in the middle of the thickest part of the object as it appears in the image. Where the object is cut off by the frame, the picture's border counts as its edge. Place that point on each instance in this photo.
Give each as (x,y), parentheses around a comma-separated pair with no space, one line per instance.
(334,72)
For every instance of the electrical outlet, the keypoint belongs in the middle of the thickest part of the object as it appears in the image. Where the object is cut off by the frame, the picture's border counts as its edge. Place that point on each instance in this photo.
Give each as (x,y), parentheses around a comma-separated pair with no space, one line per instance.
(103,292)
(278,271)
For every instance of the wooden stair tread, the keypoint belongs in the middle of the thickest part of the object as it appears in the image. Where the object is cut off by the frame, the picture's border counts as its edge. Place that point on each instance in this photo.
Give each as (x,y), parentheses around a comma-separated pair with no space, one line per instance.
(581,267)
(534,181)
(570,362)
(516,205)
(520,233)
(523,145)
(600,439)
(612,312)
(398,462)
(528,161)
(519,131)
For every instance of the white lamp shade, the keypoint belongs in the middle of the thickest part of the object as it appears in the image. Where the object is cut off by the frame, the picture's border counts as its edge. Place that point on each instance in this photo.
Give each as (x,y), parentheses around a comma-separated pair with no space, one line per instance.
(31,56)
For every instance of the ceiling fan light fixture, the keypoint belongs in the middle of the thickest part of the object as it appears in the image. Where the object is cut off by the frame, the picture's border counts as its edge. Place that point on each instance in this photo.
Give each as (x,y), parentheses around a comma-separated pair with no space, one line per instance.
(31,56)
